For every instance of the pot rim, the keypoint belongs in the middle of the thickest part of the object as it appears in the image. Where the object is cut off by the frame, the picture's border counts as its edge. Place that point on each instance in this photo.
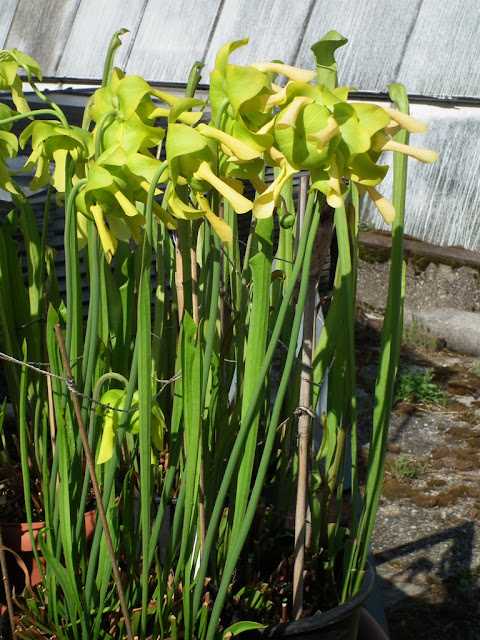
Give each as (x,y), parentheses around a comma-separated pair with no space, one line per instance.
(328,617)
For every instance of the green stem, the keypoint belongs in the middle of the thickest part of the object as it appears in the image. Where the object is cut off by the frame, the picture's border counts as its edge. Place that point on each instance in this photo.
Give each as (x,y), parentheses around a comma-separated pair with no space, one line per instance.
(347,258)
(86,114)
(24,456)
(30,114)
(96,488)
(145,392)
(74,329)
(111,475)
(249,416)
(305,249)
(388,358)
(91,438)
(91,338)
(115,43)
(99,132)
(43,98)
(193,79)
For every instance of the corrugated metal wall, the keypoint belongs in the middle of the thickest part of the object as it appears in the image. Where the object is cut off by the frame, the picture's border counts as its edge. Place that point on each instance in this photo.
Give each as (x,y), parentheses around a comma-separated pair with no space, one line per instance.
(432,46)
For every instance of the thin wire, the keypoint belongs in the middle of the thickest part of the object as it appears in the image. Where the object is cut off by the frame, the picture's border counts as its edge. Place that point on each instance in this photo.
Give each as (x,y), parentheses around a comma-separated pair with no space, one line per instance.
(255,250)
(71,382)
(36,366)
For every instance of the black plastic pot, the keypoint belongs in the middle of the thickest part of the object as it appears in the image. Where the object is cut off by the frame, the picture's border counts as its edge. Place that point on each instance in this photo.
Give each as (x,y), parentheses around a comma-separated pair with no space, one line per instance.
(166,524)
(339,623)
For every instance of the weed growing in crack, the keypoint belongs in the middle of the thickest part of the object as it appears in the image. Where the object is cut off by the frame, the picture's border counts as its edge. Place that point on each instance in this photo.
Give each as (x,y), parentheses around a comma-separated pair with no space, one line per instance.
(418,386)
(467,576)
(402,468)
(413,334)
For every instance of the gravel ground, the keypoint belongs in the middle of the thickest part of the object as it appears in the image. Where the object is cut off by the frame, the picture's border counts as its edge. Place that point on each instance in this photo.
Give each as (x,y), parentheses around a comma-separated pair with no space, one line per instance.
(432,287)
(426,541)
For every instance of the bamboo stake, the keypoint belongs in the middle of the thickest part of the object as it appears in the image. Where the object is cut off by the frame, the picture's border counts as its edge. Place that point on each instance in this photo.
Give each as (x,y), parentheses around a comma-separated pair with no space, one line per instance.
(303,455)
(196,319)
(96,488)
(302,510)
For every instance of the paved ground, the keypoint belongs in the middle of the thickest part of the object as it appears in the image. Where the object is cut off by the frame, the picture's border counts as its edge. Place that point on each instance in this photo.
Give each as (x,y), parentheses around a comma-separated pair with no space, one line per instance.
(427,538)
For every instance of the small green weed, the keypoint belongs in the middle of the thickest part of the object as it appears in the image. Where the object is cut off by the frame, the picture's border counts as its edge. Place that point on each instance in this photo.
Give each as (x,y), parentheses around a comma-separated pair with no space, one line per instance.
(366,226)
(476,367)
(467,576)
(418,386)
(402,468)
(414,335)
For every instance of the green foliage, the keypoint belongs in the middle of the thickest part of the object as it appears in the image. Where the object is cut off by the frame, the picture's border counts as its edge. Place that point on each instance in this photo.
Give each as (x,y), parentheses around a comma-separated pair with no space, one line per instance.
(186,381)
(403,467)
(467,576)
(418,386)
(414,335)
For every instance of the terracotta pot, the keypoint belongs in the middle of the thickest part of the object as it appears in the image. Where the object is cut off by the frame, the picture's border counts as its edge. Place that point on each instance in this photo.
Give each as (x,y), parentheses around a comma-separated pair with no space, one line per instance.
(166,525)
(16,536)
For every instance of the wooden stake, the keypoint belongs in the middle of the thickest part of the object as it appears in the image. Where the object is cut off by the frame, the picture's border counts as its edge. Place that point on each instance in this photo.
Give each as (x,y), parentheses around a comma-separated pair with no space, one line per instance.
(96,488)
(302,525)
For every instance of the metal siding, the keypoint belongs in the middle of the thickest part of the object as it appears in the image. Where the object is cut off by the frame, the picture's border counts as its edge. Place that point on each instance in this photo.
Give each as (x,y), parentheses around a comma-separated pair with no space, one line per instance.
(442,53)
(95,23)
(173,34)
(443,199)
(7,13)
(40,28)
(275,30)
(429,45)
(376,33)
(426,44)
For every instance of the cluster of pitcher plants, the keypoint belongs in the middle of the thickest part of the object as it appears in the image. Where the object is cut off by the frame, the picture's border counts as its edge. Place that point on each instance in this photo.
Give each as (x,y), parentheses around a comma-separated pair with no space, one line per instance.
(181,394)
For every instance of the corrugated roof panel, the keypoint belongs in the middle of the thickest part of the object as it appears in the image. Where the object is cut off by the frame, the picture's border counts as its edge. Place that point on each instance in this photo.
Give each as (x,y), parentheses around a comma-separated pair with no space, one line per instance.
(426,44)
(376,33)
(95,23)
(41,29)
(442,53)
(275,30)
(8,13)
(443,199)
(173,35)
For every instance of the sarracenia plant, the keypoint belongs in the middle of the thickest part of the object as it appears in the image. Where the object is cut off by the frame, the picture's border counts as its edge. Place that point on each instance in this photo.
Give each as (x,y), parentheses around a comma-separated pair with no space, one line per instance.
(195,380)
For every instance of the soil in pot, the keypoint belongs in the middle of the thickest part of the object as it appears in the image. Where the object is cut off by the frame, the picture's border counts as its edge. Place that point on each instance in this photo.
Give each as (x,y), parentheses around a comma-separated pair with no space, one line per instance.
(339,623)
(263,585)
